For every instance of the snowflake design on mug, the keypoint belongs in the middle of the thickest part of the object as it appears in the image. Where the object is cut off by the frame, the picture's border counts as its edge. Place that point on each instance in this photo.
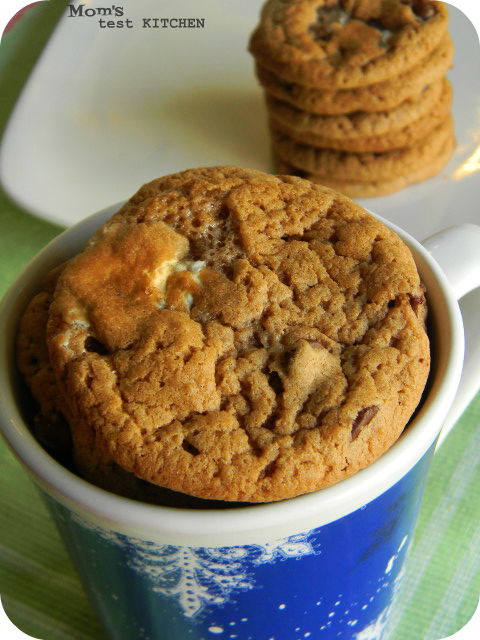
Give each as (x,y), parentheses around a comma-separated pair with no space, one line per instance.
(199,577)
(195,577)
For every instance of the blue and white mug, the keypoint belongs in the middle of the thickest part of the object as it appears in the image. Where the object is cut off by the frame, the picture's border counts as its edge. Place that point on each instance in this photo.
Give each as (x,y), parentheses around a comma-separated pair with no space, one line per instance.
(324,565)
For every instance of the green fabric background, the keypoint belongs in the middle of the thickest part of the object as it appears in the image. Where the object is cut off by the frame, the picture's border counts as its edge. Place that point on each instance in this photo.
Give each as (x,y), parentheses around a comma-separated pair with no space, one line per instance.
(38,586)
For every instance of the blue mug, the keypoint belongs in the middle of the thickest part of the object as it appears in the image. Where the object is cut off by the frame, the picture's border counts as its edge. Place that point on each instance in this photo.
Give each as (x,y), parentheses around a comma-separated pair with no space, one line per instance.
(324,565)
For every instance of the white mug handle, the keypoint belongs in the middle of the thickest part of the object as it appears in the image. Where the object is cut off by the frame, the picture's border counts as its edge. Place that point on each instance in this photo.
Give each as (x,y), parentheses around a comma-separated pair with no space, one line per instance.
(457,251)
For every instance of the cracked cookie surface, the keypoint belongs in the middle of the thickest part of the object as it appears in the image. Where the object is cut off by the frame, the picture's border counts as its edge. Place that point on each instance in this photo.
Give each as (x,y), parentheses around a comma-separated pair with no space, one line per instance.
(52,422)
(239,336)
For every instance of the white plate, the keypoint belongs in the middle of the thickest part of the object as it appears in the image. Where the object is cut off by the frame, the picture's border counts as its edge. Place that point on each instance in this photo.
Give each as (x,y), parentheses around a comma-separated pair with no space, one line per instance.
(108,109)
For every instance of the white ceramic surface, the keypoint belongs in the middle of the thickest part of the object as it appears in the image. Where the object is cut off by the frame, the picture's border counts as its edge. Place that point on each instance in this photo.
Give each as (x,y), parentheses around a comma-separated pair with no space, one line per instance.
(108,109)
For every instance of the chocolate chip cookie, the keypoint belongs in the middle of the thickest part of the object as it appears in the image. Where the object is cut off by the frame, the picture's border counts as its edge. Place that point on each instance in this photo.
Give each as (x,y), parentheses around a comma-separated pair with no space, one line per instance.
(361,132)
(346,43)
(238,336)
(364,167)
(379,96)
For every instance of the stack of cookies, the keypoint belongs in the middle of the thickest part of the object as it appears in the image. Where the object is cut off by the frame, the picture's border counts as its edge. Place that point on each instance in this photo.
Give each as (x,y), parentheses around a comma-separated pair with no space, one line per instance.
(356,90)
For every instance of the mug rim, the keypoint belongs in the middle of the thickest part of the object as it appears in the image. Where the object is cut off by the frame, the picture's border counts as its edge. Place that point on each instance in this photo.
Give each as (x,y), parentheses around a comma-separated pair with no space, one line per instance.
(285,517)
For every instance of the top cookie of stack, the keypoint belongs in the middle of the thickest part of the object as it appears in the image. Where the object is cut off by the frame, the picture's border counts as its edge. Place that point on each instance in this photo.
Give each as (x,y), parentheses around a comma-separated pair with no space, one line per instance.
(356,90)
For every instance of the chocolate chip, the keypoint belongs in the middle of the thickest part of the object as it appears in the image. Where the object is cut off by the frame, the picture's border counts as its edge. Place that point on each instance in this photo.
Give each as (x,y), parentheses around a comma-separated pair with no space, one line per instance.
(422,8)
(385,34)
(92,345)
(376,24)
(364,416)
(190,448)
(288,86)
(327,17)
(415,302)
(275,382)
(287,357)
(268,471)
